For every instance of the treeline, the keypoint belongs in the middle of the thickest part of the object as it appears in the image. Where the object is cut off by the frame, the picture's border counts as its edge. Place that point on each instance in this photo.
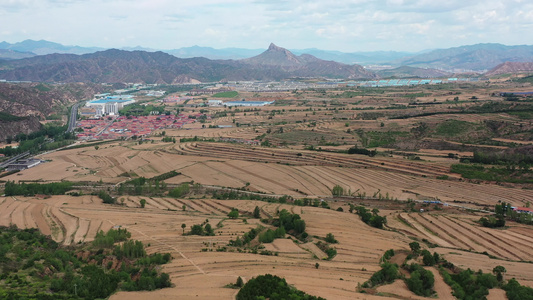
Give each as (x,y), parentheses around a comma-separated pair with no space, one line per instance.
(40,140)
(54,272)
(143,186)
(141,110)
(500,158)
(32,189)
(271,287)
(107,240)
(510,173)
(498,220)
(352,150)
(504,211)
(182,190)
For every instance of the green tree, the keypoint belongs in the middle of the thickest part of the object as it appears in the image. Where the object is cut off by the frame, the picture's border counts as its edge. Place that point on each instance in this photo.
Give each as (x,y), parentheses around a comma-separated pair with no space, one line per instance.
(427,258)
(421,282)
(183,227)
(257,212)
(415,247)
(239,282)
(499,271)
(330,238)
(233,214)
(337,190)
(143,203)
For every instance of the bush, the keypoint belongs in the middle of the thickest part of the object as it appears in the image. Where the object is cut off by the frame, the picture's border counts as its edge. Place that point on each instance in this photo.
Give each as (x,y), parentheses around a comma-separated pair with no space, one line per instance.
(330,238)
(180,191)
(421,281)
(106,198)
(387,274)
(271,287)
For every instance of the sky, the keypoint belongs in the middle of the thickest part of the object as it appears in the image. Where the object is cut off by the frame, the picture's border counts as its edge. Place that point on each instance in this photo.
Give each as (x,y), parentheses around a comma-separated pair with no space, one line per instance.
(343,25)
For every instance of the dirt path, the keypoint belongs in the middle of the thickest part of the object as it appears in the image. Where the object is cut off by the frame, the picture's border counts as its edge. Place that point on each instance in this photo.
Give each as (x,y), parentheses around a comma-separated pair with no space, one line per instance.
(314,249)
(496,294)
(443,290)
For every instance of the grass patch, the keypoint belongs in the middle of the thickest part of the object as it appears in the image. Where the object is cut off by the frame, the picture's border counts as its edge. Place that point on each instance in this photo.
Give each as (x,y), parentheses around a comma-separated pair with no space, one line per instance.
(229,94)
(506,174)
(453,127)
(372,139)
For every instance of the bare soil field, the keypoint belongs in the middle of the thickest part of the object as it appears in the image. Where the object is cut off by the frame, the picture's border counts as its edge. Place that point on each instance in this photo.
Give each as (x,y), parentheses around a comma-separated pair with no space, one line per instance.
(297,147)
(73,219)
(270,170)
(359,249)
(461,232)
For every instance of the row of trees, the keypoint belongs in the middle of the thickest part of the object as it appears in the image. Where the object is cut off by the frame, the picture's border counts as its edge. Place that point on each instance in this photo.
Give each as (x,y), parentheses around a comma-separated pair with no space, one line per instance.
(31,189)
(48,138)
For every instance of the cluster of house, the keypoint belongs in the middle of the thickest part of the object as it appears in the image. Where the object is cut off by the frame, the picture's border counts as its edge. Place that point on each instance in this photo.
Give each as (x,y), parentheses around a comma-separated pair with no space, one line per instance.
(127,127)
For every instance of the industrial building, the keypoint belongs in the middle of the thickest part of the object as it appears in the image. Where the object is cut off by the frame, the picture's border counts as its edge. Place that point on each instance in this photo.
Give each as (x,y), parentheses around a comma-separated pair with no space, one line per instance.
(24,164)
(109,105)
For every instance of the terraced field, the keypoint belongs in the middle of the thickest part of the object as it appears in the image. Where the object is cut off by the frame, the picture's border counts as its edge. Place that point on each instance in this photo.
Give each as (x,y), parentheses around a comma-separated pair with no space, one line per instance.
(461,232)
(205,272)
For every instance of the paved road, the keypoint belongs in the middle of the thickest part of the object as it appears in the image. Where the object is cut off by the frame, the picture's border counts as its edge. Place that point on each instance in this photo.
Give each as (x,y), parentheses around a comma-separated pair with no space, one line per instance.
(73,117)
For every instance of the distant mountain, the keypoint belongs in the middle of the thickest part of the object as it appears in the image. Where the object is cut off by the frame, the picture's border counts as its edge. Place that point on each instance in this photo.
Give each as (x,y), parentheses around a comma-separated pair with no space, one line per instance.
(212,53)
(479,57)
(363,58)
(158,67)
(305,65)
(43,47)
(7,54)
(511,68)
(406,72)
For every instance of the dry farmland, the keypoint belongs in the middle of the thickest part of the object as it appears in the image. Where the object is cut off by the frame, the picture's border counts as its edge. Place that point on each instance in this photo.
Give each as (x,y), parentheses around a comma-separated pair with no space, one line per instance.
(295,148)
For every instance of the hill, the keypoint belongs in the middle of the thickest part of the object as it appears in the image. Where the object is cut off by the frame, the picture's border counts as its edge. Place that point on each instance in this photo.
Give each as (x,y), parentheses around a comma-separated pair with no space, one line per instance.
(406,71)
(158,67)
(305,65)
(42,100)
(43,47)
(7,54)
(510,68)
(477,57)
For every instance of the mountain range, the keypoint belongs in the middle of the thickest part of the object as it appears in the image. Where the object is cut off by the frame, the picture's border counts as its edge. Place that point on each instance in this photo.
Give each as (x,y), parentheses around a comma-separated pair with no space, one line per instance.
(113,65)
(275,63)
(478,57)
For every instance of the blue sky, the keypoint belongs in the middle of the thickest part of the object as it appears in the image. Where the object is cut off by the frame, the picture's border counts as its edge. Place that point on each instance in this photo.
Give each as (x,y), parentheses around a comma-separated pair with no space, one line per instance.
(349,26)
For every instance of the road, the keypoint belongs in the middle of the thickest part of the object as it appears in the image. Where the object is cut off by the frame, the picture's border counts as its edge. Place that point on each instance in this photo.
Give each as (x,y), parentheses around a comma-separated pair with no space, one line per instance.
(73,117)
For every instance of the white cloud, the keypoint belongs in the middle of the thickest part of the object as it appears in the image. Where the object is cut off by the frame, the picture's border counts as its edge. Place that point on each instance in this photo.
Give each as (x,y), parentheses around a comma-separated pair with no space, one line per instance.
(354,25)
